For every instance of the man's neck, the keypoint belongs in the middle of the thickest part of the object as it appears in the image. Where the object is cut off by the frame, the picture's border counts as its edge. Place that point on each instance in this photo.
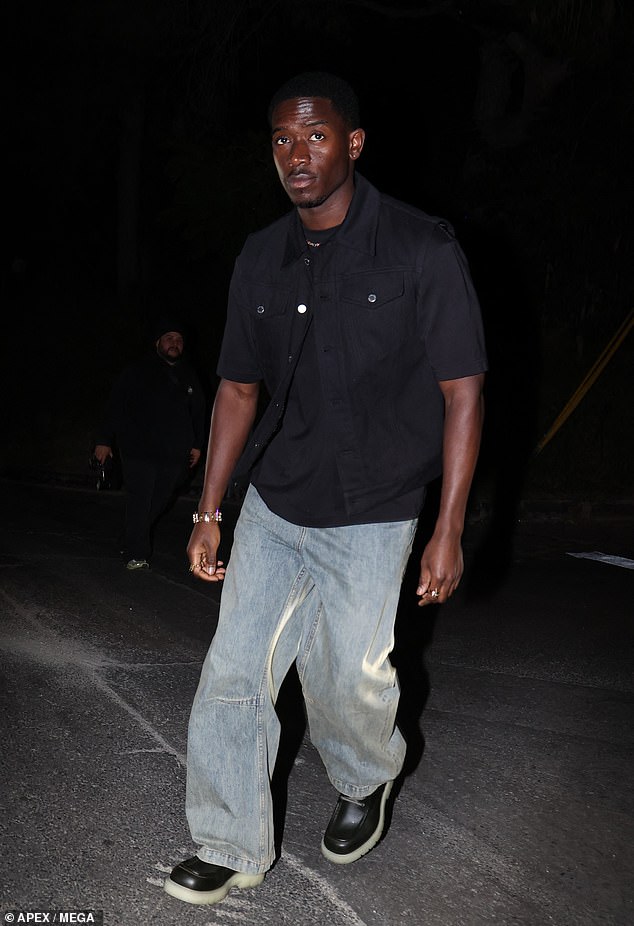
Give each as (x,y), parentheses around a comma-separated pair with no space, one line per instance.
(170,363)
(331,213)
(317,236)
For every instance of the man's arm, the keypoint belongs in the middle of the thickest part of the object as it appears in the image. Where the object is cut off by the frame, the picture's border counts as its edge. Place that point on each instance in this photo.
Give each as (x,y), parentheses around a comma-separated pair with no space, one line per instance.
(197,405)
(231,421)
(442,563)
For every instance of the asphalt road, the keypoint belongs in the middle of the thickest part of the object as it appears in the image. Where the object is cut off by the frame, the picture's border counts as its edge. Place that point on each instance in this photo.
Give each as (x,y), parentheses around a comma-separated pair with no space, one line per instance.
(517,701)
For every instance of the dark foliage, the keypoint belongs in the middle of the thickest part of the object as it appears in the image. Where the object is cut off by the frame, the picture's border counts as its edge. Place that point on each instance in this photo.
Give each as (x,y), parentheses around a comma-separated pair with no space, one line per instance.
(139,161)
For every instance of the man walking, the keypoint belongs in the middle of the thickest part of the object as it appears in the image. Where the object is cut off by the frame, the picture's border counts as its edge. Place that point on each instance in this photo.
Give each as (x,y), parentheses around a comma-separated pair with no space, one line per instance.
(358,314)
(156,416)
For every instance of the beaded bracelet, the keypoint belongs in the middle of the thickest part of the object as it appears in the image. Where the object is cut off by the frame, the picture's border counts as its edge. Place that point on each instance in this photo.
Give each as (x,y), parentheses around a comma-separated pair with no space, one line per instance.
(207,516)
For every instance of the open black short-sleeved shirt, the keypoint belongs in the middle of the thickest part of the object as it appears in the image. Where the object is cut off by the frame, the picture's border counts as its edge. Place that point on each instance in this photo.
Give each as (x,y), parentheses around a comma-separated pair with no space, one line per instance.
(393,312)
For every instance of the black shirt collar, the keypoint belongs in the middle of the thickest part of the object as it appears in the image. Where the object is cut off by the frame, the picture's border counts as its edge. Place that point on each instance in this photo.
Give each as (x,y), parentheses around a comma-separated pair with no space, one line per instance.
(357,231)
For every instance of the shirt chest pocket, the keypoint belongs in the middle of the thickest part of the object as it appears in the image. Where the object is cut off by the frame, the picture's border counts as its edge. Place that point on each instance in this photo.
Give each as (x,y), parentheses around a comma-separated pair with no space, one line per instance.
(373,291)
(375,320)
(268,307)
(267,301)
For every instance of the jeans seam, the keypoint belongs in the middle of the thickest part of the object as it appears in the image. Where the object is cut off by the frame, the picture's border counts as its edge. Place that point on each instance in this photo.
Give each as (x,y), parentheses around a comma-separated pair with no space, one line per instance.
(306,651)
(262,784)
(301,539)
(236,701)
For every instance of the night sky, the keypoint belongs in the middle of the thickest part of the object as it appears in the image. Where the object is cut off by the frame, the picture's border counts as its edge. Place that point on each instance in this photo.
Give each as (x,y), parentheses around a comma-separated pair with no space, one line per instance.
(139,160)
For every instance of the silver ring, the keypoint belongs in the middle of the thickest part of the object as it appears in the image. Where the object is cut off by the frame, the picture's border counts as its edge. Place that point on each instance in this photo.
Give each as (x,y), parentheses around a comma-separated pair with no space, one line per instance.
(434,593)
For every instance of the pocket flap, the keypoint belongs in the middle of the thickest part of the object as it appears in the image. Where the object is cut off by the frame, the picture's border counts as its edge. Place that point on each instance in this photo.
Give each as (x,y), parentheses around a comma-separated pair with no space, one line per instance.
(373,290)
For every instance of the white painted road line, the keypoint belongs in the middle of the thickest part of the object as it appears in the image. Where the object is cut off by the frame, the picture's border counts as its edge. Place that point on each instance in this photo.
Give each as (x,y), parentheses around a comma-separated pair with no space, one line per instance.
(89,663)
(606,558)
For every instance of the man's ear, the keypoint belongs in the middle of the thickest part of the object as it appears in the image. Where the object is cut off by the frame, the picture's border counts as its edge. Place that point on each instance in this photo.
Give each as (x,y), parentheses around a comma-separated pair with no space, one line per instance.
(357,140)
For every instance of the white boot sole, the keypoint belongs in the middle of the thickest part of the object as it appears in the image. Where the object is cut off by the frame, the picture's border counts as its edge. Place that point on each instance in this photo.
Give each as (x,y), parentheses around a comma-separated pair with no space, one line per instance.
(240,880)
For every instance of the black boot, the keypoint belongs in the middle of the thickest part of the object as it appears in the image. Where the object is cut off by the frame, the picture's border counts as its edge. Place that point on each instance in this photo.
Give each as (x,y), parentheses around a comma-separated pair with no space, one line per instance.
(355,826)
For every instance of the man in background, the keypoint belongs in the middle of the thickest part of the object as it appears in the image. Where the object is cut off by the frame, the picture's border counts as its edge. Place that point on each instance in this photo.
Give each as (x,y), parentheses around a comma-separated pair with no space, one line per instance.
(156,417)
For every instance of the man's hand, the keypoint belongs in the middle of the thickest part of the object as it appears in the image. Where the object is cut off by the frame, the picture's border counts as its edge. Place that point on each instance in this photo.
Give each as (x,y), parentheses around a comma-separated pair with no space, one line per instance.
(441,564)
(441,568)
(194,457)
(201,552)
(102,452)
(232,417)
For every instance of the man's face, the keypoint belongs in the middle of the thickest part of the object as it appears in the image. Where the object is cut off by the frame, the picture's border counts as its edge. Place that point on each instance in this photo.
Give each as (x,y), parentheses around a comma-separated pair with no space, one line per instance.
(314,152)
(170,346)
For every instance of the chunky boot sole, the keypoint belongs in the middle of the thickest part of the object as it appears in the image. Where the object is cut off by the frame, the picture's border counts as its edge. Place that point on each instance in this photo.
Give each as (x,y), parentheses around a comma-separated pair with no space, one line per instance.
(347,858)
(208,897)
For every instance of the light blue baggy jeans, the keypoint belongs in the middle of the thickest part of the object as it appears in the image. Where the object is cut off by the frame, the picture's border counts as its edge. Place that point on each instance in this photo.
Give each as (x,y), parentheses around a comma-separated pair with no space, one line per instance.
(327,598)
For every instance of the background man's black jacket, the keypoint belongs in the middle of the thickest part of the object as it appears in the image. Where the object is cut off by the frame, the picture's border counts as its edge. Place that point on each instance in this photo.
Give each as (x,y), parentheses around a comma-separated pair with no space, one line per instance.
(156,411)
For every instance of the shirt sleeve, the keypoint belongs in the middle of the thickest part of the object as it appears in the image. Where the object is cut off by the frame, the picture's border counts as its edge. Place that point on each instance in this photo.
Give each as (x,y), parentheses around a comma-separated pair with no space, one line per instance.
(449,311)
(238,359)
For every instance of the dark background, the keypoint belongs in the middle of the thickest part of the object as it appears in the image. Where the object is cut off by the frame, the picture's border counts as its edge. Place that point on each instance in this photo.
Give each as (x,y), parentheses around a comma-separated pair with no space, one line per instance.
(139,160)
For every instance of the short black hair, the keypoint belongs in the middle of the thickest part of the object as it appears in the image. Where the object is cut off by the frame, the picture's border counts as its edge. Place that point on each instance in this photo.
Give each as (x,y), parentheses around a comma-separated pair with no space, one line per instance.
(325,86)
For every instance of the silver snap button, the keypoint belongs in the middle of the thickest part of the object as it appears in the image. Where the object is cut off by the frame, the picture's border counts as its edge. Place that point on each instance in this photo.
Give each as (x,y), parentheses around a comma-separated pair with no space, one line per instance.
(372,297)
(260,310)
(301,308)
